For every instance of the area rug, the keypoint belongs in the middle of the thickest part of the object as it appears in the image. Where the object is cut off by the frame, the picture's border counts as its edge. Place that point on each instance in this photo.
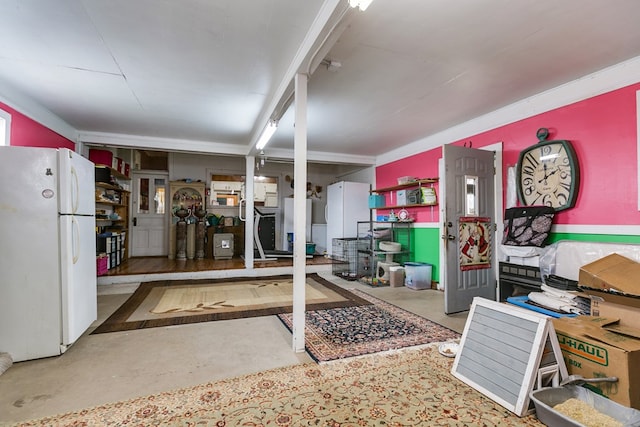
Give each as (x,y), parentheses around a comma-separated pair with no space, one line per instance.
(357,330)
(176,302)
(410,387)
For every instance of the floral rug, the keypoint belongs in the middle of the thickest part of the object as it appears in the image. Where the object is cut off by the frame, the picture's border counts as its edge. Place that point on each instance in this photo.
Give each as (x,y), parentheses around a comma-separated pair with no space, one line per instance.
(354,331)
(410,387)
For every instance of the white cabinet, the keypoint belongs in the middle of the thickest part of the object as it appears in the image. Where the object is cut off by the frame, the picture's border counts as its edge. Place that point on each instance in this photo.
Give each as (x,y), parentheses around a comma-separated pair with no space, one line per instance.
(227,186)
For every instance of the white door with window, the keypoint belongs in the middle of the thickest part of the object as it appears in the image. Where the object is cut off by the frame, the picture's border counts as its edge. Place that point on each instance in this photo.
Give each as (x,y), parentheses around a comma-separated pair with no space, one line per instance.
(148,215)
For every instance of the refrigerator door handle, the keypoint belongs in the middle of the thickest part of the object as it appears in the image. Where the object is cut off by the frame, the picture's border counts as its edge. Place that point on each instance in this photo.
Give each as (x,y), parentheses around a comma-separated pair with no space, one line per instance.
(75,240)
(326,212)
(75,190)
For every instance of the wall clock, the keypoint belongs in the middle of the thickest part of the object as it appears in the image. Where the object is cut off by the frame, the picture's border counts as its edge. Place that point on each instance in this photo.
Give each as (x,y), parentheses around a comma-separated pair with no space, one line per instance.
(548,174)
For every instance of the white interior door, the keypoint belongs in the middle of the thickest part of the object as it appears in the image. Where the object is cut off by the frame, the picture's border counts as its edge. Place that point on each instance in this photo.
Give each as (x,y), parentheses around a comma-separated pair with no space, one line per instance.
(469,223)
(148,215)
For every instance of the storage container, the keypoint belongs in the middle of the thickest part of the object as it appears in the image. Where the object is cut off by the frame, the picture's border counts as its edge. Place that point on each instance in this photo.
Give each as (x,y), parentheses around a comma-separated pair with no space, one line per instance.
(406,180)
(101,157)
(545,399)
(311,248)
(417,275)
(376,201)
(396,274)
(117,164)
(103,174)
(101,264)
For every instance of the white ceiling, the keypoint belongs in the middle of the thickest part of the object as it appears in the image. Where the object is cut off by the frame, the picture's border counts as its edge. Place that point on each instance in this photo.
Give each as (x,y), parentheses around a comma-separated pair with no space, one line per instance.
(210,73)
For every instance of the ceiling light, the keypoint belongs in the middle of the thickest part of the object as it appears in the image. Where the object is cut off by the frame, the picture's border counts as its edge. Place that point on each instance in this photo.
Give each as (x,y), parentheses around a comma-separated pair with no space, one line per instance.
(267,133)
(362,4)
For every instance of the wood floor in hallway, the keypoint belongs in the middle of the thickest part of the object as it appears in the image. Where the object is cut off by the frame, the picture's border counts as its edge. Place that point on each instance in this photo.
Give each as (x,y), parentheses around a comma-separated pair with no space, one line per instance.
(149,265)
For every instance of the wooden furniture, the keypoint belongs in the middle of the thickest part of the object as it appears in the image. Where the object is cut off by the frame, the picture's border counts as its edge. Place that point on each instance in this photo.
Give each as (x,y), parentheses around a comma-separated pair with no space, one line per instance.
(393,194)
(112,214)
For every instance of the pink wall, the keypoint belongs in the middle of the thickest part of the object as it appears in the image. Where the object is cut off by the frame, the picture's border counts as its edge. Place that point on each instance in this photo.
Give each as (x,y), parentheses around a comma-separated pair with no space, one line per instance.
(28,133)
(602,131)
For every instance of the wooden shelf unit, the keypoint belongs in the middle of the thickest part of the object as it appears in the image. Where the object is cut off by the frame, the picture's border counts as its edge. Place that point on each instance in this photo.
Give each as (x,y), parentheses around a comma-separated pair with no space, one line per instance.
(413,184)
(111,198)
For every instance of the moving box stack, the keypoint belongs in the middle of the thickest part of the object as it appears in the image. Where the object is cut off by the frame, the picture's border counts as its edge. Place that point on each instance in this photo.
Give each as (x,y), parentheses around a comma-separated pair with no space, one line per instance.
(606,343)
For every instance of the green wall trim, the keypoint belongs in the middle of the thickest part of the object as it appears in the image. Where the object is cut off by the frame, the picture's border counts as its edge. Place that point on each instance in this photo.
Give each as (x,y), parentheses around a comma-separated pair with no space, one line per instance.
(425,244)
(426,248)
(602,238)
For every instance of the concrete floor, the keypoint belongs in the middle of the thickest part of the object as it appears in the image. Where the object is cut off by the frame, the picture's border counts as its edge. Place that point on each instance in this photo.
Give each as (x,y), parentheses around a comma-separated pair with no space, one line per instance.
(116,366)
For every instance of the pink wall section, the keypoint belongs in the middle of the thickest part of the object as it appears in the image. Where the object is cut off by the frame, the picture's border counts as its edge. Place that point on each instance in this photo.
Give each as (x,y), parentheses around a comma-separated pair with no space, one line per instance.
(602,131)
(28,133)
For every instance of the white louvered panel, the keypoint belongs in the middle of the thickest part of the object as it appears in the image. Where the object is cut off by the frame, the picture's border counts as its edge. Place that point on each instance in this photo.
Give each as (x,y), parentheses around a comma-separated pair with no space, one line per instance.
(501,351)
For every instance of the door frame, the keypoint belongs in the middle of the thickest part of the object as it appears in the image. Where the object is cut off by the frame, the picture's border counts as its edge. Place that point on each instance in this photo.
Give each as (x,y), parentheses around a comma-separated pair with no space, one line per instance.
(498,209)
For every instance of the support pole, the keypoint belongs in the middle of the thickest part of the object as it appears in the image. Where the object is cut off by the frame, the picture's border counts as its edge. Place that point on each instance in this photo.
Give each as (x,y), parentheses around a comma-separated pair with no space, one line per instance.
(248,215)
(300,211)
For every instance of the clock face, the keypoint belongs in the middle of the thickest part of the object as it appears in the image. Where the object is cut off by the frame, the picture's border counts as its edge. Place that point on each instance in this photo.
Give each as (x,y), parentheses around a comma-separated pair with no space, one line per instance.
(547,174)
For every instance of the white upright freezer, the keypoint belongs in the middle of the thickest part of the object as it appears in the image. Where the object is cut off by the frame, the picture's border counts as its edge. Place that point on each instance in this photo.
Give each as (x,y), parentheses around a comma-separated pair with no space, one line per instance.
(48,285)
(347,203)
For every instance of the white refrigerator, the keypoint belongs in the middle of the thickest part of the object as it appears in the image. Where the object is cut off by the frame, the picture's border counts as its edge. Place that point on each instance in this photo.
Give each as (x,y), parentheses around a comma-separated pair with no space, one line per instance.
(347,203)
(48,281)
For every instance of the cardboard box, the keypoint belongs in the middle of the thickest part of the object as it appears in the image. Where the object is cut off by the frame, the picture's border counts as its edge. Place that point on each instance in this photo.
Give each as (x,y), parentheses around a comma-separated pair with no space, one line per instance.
(599,347)
(613,278)
(629,316)
(613,273)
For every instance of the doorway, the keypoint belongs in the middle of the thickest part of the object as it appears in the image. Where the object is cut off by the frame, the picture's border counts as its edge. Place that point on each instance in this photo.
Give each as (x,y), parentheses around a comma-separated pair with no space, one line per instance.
(148,222)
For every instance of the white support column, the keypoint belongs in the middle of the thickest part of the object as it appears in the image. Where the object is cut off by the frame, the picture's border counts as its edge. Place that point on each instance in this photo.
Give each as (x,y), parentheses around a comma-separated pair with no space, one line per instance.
(249,217)
(299,209)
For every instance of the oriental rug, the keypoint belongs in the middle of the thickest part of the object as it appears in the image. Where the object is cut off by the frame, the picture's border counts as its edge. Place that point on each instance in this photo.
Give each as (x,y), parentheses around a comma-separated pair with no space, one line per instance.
(410,387)
(177,302)
(357,330)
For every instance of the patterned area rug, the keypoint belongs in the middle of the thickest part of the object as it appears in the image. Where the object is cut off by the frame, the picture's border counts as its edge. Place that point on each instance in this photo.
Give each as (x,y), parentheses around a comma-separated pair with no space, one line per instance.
(354,331)
(205,300)
(411,387)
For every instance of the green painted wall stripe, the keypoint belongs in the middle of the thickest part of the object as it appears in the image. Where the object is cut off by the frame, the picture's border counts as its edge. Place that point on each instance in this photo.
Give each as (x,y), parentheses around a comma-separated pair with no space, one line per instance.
(426,248)
(425,244)
(602,238)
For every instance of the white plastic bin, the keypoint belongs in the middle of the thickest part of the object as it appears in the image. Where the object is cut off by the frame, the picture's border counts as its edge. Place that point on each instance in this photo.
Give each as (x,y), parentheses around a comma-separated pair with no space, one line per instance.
(417,275)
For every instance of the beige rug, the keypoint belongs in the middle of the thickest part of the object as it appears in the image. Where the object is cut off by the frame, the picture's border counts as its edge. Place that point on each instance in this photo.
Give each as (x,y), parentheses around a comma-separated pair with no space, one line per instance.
(403,388)
(216,297)
(176,302)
